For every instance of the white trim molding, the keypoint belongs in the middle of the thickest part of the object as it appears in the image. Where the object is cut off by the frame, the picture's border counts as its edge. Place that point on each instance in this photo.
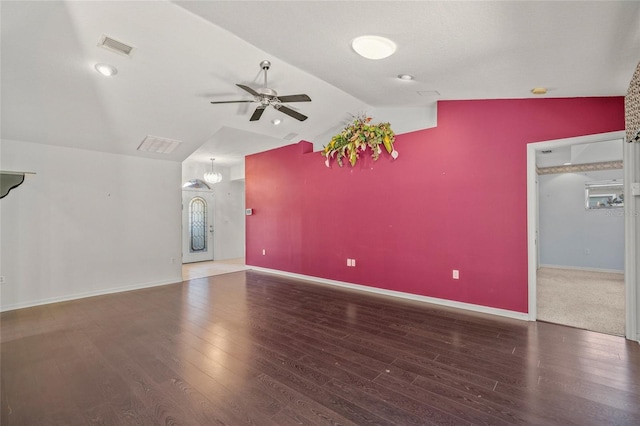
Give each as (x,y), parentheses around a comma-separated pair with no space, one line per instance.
(83,295)
(631,156)
(399,294)
(580,268)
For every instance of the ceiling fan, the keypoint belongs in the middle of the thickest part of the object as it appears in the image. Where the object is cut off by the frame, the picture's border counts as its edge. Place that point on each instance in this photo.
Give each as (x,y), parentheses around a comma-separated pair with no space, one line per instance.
(265,97)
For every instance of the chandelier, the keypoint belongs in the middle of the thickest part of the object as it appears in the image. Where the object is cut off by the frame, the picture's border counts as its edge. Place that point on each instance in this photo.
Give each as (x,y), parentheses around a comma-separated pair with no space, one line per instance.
(212,177)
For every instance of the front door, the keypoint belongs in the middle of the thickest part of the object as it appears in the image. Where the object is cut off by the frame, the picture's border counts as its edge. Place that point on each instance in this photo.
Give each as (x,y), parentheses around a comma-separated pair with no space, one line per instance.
(197,226)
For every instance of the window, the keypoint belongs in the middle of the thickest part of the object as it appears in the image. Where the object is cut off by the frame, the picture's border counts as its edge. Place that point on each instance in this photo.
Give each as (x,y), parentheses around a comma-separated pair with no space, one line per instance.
(607,194)
(196,184)
(198,225)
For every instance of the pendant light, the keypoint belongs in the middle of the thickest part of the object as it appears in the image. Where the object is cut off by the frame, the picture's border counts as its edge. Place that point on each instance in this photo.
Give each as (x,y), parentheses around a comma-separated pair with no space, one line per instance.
(212,177)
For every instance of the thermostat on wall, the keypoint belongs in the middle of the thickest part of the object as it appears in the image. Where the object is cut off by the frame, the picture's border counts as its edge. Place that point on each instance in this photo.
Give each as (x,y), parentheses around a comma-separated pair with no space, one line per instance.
(248,212)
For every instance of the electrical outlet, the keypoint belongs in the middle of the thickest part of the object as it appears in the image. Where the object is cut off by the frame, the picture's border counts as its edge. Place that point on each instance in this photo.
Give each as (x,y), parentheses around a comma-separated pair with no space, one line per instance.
(2,281)
(456,274)
(264,252)
(587,251)
(348,262)
(172,260)
(353,262)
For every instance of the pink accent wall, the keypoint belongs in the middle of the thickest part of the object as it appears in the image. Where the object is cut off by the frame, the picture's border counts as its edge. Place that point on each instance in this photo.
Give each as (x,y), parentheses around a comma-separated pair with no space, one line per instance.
(454,199)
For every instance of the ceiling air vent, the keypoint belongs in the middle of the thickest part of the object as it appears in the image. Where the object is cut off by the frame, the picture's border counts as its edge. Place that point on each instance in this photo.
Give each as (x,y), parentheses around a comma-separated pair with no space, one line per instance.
(428,93)
(159,145)
(290,136)
(115,46)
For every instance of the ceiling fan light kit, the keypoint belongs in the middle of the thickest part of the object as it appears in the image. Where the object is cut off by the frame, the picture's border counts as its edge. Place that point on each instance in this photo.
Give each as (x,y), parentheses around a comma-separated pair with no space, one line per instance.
(265,97)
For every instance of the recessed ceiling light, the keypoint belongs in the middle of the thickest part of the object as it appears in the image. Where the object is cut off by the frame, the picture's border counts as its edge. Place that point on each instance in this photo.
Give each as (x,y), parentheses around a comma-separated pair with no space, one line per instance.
(276,121)
(106,69)
(405,77)
(539,90)
(373,47)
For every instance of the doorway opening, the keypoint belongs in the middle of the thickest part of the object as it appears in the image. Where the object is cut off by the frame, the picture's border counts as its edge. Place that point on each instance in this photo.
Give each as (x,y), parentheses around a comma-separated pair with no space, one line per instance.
(192,271)
(571,255)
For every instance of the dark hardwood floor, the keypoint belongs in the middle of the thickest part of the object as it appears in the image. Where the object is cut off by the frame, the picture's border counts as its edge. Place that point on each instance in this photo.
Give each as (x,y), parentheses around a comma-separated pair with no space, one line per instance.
(253,348)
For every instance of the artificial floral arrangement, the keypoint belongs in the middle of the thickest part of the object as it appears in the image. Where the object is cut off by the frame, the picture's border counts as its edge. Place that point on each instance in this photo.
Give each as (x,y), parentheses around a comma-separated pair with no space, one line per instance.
(356,137)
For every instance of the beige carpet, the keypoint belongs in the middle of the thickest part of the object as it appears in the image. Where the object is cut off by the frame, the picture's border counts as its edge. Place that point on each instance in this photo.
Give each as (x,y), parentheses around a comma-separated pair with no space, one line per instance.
(207,269)
(583,299)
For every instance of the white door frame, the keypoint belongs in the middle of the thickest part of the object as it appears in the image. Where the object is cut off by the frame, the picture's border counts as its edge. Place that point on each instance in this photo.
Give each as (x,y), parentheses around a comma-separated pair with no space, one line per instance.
(631,174)
(630,224)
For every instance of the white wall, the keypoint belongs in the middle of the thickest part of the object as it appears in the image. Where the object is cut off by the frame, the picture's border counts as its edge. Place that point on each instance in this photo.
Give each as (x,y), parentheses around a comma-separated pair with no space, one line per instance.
(87,223)
(229,237)
(572,236)
(229,219)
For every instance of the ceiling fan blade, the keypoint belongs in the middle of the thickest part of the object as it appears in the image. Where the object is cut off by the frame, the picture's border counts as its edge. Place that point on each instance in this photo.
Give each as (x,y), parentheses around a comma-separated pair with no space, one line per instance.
(290,112)
(230,102)
(294,98)
(248,89)
(257,113)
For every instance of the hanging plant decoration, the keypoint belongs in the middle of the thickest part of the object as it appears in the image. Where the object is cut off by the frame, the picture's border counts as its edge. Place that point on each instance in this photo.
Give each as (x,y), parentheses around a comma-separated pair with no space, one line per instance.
(356,138)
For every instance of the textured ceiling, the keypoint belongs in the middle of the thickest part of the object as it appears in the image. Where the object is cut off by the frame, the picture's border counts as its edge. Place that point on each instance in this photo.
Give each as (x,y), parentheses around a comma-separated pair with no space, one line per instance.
(189,53)
(463,50)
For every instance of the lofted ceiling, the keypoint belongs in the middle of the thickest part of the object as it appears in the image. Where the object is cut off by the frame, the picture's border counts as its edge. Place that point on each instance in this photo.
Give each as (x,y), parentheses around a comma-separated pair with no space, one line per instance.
(188,53)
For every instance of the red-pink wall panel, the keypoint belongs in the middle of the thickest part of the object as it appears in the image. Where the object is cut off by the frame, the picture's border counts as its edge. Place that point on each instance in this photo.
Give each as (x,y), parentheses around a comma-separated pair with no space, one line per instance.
(454,199)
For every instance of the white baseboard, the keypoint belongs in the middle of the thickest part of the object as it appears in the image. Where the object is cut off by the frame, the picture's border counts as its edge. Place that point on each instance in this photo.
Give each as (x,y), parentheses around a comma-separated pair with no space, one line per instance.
(580,268)
(402,295)
(75,296)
